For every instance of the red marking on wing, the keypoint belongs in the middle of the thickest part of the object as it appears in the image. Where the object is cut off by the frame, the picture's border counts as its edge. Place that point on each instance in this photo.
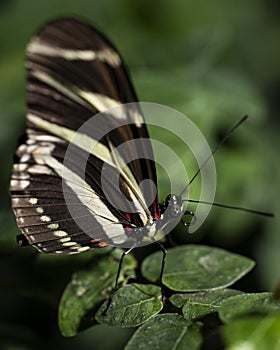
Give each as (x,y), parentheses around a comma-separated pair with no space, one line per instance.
(99,243)
(156,210)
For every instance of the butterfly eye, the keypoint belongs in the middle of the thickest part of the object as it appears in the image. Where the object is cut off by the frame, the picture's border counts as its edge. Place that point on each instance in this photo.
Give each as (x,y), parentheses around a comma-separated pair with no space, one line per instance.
(167,200)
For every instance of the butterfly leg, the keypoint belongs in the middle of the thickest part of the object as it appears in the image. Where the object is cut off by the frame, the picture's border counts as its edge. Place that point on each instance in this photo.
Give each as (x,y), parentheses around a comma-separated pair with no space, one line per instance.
(164,253)
(110,300)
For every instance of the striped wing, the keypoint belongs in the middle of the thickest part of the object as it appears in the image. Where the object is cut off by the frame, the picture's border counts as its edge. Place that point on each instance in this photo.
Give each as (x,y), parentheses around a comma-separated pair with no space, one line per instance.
(57,189)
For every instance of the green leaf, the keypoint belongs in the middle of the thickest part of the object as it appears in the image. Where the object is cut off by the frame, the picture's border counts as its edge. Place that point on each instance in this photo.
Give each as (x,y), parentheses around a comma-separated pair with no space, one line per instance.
(194,268)
(248,304)
(197,305)
(131,306)
(166,331)
(87,289)
(253,333)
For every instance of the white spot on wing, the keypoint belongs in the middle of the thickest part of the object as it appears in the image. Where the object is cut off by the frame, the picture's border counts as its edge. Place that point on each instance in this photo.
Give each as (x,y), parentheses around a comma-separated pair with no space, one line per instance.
(53,226)
(83,249)
(69,244)
(40,210)
(33,200)
(21,149)
(66,239)
(25,158)
(45,218)
(60,233)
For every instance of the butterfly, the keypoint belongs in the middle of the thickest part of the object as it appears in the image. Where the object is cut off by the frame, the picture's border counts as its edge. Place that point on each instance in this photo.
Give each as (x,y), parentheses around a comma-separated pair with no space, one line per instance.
(73,74)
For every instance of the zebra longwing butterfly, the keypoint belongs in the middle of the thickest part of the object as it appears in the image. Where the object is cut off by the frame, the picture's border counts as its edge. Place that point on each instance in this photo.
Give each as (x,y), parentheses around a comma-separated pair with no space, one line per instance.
(74,73)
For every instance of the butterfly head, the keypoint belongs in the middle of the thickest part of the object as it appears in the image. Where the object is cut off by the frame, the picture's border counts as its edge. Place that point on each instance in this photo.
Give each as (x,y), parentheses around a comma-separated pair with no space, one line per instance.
(173,205)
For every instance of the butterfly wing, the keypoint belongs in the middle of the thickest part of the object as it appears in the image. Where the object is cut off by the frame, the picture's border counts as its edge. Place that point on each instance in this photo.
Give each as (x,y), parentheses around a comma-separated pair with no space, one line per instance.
(74,73)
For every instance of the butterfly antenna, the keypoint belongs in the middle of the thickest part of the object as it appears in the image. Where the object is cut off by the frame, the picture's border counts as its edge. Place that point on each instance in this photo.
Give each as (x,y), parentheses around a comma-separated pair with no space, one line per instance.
(229,133)
(252,211)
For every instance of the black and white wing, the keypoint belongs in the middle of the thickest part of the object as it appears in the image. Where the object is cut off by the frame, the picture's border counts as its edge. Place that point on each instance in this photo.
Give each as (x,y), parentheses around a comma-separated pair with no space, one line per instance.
(74,73)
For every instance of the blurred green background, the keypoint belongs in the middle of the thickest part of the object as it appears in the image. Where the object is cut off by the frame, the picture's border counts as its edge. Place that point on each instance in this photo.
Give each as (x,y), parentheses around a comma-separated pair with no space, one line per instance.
(213,61)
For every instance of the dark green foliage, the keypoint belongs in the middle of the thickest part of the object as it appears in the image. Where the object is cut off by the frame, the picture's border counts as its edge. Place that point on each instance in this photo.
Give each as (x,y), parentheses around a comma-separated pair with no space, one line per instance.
(201,272)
